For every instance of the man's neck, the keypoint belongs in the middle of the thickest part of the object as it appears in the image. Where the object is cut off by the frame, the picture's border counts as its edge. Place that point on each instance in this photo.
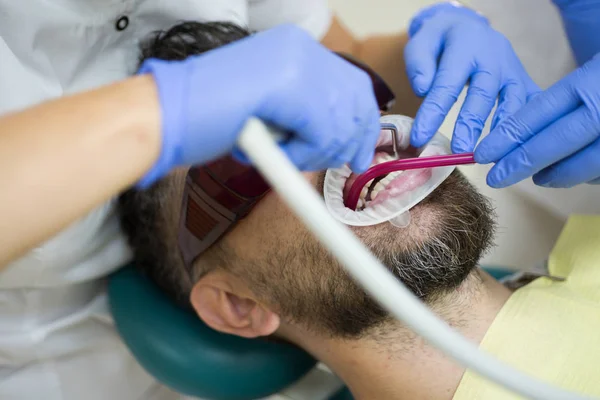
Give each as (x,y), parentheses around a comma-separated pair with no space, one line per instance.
(394,363)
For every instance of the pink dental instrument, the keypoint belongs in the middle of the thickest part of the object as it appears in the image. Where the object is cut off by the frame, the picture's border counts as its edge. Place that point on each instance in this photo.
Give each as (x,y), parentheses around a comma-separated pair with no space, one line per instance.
(351,201)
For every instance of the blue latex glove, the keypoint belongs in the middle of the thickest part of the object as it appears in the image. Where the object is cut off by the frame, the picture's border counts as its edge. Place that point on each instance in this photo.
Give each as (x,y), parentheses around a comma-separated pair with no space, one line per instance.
(281,76)
(555,136)
(581,19)
(450,46)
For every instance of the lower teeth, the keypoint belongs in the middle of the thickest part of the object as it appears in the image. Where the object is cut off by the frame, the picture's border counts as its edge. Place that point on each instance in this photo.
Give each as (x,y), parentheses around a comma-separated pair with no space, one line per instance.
(367,194)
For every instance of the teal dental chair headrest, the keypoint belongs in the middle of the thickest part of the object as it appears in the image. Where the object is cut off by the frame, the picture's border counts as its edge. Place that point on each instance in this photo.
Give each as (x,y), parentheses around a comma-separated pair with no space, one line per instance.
(179,350)
(498,272)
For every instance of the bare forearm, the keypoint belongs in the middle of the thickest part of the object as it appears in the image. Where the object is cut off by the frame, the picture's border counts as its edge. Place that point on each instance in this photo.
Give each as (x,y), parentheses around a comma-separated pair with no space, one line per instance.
(61,159)
(385,54)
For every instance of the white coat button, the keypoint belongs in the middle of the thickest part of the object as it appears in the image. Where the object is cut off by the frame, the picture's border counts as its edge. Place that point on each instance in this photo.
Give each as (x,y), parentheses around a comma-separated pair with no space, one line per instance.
(122,23)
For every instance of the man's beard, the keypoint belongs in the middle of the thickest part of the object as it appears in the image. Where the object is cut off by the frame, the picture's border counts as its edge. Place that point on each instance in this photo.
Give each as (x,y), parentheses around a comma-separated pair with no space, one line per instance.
(448,233)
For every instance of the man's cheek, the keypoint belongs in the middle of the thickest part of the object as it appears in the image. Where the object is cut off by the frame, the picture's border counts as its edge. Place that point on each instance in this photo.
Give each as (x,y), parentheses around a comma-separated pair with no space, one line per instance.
(313,177)
(272,211)
(317,179)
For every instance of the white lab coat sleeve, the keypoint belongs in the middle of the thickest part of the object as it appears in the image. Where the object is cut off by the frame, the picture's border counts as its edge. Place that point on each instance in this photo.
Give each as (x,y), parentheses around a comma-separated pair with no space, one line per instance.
(313,15)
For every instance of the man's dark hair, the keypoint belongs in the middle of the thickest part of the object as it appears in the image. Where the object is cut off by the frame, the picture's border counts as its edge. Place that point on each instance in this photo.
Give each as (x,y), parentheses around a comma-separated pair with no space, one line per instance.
(190,38)
(144,214)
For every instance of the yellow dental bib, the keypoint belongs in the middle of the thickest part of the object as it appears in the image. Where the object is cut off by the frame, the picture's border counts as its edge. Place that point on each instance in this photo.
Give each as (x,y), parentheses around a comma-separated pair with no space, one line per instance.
(551,329)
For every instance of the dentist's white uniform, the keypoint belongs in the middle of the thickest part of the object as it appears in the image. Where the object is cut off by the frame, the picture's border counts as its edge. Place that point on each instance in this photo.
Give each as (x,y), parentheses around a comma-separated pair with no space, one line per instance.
(57,341)
(535,30)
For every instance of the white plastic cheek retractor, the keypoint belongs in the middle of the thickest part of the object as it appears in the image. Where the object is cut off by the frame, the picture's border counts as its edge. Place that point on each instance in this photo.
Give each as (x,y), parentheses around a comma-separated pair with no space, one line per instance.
(395,207)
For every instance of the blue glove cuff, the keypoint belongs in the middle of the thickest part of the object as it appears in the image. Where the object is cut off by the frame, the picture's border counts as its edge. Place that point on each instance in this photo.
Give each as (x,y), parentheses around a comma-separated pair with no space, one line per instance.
(172,116)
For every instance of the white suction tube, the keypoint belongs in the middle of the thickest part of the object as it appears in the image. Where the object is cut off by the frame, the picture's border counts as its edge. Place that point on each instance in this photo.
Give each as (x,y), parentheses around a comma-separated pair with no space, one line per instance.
(257,141)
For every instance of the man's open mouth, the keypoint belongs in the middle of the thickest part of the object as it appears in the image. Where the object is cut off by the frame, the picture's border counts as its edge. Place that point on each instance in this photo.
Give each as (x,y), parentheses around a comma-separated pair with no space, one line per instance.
(389,196)
(391,185)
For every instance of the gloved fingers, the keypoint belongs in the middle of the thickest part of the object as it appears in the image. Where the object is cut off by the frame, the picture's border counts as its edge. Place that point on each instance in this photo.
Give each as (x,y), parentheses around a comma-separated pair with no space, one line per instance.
(481,97)
(542,110)
(531,87)
(326,158)
(306,120)
(453,7)
(453,73)
(421,55)
(558,141)
(366,151)
(337,151)
(347,126)
(345,155)
(301,154)
(343,136)
(312,131)
(512,97)
(426,13)
(583,166)
(368,130)
(335,156)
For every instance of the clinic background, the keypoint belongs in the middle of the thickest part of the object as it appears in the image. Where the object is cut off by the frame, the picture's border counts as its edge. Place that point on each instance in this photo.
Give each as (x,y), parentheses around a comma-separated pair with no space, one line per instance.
(527,226)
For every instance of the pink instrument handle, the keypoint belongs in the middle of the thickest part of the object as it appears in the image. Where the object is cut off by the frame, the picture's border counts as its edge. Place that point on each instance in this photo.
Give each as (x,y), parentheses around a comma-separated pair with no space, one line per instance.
(351,201)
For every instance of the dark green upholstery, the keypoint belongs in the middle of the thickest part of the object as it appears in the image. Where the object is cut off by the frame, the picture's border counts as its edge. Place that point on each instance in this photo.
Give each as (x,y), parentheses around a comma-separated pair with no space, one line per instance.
(343,394)
(498,272)
(179,350)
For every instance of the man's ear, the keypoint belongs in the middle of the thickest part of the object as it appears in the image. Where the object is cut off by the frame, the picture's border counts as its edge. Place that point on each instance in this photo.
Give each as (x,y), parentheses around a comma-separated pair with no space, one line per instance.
(226,304)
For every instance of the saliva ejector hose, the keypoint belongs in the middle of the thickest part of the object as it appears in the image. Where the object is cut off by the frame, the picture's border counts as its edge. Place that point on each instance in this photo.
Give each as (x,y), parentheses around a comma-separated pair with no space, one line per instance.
(257,141)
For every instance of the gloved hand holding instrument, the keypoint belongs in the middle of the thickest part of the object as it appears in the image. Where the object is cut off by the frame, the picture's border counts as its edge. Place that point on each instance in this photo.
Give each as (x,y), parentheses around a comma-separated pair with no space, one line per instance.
(287,79)
(551,135)
(555,137)
(451,46)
